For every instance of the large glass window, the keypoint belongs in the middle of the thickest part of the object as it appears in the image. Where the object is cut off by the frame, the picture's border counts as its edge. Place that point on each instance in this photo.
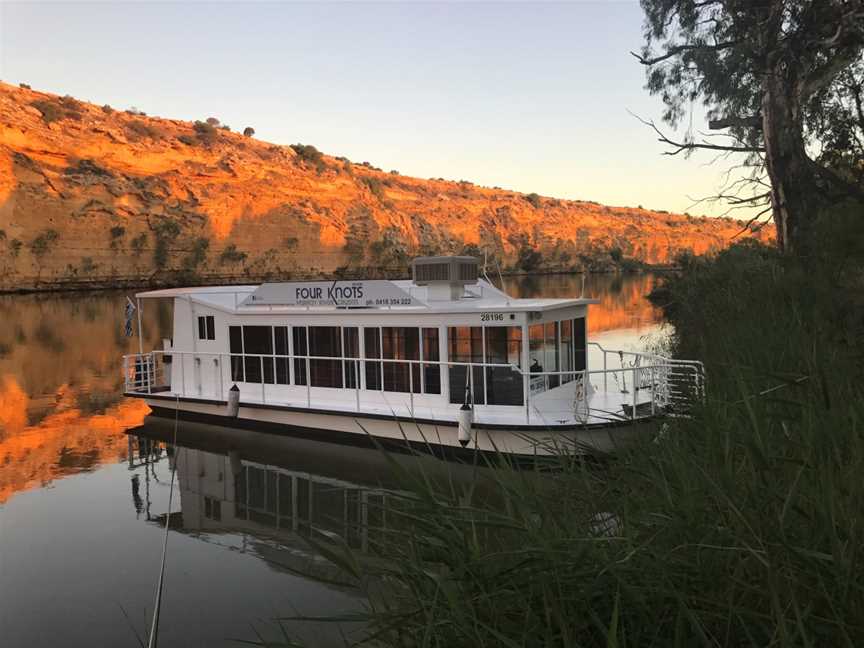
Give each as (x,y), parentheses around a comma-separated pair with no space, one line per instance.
(352,350)
(258,340)
(465,344)
(325,341)
(431,372)
(280,338)
(503,346)
(301,348)
(401,343)
(372,344)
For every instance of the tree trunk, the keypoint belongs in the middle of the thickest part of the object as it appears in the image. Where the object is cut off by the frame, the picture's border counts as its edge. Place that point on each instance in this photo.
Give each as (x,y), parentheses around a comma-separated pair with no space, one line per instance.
(795,196)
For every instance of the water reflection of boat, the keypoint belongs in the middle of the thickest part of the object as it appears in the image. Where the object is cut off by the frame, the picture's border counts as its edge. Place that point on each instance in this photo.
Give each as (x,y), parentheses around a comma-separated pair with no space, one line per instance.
(441,362)
(266,494)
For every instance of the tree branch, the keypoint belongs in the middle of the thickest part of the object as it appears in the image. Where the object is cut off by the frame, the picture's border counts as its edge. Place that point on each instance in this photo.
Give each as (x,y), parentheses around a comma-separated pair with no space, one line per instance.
(678,49)
(747,226)
(753,121)
(824,74)
(689,146)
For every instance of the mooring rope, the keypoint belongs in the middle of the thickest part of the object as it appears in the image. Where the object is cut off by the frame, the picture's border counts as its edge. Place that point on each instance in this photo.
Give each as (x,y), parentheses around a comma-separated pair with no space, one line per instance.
(154,627)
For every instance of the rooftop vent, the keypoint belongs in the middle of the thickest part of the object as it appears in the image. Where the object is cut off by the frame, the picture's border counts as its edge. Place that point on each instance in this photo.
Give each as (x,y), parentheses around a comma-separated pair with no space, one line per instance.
(453,270)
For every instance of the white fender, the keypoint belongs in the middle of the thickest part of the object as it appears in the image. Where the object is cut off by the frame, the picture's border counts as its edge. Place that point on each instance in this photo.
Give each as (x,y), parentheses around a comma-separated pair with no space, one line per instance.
(233,401)
(466,419)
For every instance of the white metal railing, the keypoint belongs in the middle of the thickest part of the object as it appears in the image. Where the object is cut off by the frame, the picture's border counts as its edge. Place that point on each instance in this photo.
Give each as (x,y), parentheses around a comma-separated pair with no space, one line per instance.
(680,383)
(647,384)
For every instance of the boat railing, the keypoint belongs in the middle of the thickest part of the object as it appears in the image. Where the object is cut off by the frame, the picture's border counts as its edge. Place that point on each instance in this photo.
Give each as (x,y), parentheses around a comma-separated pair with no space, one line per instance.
(648,385)
(681,383)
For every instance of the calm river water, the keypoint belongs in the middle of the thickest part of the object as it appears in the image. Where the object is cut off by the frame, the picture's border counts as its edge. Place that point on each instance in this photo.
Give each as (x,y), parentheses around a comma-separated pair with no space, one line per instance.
(84,484)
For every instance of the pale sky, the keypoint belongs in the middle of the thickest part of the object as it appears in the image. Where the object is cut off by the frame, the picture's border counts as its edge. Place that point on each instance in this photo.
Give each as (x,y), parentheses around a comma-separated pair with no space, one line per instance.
(532,97)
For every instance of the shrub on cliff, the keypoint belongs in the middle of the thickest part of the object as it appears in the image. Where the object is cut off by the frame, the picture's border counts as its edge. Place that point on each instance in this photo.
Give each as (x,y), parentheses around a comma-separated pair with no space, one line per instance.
(205,132)
(40,245)
(535,200)
(138,129)
(308,154)
(51,112)
(25,86)
(87,265)
(248,131)
(137,244)
(165,230)
(529,259)
(117,232)
(231,255)
(375,186)
(390,251)
(197,254)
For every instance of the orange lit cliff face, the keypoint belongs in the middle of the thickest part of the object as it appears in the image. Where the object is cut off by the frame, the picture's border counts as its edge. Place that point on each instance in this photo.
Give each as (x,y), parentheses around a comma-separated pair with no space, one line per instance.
(99,196)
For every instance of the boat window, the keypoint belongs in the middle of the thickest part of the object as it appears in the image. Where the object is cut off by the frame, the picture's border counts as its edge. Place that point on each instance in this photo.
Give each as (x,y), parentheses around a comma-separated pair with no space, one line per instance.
(235,338)
(351,343)
(257,342)
(566,349)
(300,349)
(536,357)
(552,352)
(579,343)
(401,343)
(206,327)
(503,346)
(465,344)
(325,341)
(431,373)
(372,343)
(280,338)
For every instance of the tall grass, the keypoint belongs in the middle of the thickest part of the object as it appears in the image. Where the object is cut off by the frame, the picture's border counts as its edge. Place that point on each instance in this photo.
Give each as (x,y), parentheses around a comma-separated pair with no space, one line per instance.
(741,526)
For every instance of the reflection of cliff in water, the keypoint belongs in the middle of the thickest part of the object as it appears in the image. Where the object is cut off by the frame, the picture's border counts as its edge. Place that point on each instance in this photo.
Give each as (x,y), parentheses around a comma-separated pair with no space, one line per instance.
(622,297)
(266,494)
(64,441)
(74,342)
(61,409)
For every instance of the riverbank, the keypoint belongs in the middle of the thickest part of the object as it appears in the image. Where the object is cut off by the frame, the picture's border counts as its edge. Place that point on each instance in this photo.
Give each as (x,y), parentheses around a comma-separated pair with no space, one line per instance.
(179,279)
(740,526)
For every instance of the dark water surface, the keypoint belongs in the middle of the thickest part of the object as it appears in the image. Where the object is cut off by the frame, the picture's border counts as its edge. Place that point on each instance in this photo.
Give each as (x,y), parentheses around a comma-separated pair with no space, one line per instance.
(83,502)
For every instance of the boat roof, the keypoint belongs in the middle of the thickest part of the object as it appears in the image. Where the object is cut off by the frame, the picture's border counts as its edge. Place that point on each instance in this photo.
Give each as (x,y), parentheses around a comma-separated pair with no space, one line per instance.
(480,296)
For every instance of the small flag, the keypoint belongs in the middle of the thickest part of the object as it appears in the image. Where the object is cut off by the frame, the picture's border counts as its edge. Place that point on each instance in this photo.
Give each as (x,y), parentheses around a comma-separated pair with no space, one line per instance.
(130,311)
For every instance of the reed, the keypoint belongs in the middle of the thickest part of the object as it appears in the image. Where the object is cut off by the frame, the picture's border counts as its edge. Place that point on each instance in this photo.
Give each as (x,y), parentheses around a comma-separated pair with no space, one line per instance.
(741,526)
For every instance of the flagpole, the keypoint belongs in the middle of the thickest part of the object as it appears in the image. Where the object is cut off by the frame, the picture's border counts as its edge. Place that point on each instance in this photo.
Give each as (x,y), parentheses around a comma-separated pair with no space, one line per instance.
(140,339)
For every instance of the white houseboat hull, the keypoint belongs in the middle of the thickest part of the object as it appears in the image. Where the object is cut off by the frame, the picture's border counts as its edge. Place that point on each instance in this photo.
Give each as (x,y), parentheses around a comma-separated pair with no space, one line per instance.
(403,433)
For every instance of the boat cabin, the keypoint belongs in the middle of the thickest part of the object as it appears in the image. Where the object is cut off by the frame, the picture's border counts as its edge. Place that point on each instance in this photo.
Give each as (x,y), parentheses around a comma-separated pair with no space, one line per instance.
(423,349)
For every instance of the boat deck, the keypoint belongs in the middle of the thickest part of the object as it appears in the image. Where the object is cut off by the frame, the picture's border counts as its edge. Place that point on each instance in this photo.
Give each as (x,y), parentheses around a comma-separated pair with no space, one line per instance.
(552,408)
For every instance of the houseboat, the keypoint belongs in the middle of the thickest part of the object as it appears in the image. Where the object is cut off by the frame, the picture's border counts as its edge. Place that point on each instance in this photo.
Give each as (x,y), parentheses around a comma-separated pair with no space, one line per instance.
(443,362)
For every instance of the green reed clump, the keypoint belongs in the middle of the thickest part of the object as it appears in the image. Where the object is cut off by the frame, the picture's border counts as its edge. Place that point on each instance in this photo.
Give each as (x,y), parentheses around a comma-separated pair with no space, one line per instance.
(740,526)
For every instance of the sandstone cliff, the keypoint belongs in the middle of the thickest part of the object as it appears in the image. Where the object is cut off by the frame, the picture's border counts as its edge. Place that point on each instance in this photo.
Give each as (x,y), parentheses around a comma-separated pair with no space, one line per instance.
(94,196)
